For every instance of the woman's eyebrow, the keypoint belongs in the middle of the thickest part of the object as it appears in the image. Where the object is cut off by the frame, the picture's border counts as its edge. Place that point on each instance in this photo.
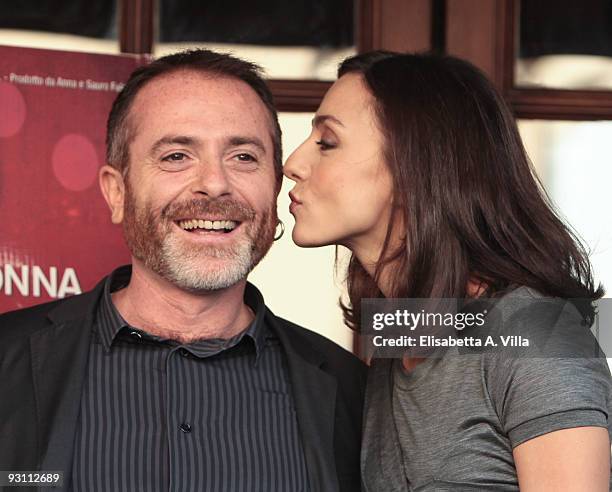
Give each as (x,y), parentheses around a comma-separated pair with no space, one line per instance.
(322,118)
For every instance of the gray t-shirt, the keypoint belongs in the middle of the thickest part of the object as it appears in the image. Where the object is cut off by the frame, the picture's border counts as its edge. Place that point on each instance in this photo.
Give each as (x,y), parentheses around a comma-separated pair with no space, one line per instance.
(452,422)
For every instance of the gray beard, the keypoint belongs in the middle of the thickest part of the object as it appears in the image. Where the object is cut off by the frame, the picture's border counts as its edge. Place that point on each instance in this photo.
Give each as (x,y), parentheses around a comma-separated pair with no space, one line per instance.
(151,239)
(180,266)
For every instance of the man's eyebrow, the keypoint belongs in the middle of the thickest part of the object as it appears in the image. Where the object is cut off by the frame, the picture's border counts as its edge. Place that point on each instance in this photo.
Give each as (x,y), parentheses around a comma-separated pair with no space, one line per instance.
(322,118)
(173,140)
(240,140)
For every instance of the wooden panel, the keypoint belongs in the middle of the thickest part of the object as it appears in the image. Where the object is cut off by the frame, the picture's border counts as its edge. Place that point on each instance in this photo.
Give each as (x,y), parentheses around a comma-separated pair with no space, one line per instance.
(470,32)
(553,104)
(298,95)
(136,26)
(407,25)
(368,25)
(549,104)
(480,31)
(484,32)
(395,25)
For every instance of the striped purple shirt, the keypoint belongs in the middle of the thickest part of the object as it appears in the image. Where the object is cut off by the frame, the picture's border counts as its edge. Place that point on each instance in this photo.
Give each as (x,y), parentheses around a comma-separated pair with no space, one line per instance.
(212,415)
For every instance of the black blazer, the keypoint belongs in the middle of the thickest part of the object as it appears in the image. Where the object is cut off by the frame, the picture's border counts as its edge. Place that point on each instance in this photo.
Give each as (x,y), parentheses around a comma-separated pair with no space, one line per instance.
(43,357)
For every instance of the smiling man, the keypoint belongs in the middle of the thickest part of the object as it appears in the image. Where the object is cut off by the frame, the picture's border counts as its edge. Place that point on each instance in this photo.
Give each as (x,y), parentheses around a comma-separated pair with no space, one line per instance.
(172,374)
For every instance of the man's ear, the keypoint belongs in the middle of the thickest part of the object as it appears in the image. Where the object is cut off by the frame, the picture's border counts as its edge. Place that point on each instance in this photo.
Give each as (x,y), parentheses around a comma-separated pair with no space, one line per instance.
(113,189)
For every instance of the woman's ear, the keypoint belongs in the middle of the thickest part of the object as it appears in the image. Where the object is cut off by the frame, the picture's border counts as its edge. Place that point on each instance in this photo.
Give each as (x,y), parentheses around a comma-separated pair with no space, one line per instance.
(113,188)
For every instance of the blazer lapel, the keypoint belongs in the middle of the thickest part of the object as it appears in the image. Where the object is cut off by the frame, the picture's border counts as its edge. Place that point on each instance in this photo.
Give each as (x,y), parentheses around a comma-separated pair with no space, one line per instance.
(314,393)
(59,359)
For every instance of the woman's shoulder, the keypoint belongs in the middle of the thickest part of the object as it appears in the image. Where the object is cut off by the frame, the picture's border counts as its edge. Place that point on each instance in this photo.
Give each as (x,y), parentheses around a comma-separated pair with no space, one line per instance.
(553,374)
(543,326)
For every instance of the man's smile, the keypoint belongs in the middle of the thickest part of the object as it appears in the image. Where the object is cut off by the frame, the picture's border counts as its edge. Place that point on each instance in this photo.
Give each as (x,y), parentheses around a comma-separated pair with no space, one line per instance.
(208,225)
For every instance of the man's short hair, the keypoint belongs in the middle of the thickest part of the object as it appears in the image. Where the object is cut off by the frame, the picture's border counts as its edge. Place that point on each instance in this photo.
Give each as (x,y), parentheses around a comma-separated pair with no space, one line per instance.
(118,130)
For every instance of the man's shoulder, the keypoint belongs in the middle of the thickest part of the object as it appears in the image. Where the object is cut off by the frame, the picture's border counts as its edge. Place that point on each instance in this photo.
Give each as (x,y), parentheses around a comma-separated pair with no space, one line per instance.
(334,355)
(24,322)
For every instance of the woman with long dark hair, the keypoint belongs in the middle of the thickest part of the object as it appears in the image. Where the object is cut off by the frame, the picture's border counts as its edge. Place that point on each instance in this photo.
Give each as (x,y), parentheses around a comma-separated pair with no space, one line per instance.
(415,164)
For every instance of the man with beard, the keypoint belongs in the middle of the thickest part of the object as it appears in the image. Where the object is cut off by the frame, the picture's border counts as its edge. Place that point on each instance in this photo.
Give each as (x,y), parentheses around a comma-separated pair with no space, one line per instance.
(172,374)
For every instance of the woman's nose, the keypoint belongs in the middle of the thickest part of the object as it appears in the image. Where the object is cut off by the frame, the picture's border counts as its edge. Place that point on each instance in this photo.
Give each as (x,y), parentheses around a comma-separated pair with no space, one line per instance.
(296,167)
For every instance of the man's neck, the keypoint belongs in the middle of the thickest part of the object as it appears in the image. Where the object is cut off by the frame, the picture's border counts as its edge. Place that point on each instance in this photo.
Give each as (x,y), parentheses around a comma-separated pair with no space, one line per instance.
(160,308)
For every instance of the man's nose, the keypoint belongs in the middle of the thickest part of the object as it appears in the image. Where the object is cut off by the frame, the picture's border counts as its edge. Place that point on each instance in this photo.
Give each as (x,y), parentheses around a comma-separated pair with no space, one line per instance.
(296,167)
(211,179)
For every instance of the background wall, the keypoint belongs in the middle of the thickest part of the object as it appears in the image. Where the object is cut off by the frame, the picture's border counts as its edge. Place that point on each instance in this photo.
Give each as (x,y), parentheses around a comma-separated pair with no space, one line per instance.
(300,284)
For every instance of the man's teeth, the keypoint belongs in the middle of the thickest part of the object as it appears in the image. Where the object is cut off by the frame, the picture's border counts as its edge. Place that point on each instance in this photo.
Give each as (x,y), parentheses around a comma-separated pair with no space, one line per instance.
(208,225)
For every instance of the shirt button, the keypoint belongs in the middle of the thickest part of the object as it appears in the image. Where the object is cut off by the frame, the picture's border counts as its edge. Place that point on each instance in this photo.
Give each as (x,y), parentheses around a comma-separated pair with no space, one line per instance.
(135,334)
(184,352)
(185,427)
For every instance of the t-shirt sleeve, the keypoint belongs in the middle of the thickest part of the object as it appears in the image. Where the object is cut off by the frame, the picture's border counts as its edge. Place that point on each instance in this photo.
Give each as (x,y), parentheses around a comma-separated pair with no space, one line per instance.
(556,383)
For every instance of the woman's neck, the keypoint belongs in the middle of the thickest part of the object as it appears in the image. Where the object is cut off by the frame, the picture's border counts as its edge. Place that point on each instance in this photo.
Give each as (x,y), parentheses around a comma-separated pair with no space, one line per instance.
(369,250)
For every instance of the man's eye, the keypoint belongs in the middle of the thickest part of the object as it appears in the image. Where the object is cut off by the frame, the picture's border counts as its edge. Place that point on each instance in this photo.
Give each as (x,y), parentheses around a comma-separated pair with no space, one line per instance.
(174,157)
(245,157)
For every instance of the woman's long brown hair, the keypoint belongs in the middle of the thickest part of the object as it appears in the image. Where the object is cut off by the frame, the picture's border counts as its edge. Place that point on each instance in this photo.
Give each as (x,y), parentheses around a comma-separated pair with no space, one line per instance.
(471,203)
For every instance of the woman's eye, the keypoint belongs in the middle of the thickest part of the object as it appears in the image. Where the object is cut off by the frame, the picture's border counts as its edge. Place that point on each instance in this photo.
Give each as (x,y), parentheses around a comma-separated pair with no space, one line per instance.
(324,144)
(175,157)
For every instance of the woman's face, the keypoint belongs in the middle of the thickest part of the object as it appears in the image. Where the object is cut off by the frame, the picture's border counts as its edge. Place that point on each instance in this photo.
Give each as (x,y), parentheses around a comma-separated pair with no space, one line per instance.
(343,189)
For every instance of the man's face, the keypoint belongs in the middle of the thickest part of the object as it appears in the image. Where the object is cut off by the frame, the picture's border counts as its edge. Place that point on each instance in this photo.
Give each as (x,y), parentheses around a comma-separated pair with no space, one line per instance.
(200,200)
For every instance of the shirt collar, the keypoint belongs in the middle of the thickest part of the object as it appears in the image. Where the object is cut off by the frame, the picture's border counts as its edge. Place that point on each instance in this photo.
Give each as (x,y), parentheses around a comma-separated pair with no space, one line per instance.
(258,330)
(111,322)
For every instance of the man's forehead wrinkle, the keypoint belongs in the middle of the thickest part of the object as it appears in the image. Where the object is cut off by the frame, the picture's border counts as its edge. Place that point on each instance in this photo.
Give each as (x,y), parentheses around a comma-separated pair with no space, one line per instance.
(217,94)
(237,140)
(189,77)
(167,140)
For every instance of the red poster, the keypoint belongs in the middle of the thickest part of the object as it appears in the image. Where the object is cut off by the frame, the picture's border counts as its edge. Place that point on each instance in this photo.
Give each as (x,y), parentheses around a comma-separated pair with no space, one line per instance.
(56,238)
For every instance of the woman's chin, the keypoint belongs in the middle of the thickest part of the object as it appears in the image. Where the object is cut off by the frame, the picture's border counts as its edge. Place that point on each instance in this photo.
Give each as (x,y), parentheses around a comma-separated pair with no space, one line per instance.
(308,240)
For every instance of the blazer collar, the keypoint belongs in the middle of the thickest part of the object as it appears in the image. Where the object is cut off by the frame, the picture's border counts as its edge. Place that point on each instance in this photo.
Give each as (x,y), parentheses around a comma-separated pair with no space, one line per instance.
(77,307)
(314,394)
(59,360)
